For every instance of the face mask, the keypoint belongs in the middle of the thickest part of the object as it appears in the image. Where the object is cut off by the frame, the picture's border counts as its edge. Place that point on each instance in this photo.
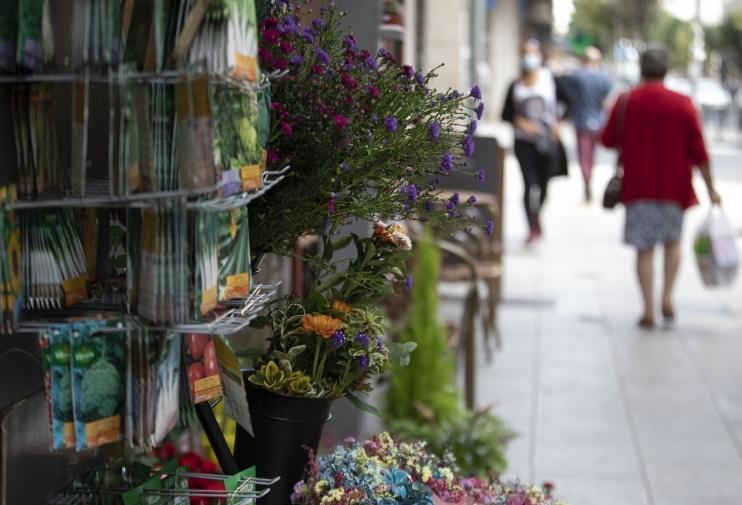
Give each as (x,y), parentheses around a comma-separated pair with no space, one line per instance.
(530,62)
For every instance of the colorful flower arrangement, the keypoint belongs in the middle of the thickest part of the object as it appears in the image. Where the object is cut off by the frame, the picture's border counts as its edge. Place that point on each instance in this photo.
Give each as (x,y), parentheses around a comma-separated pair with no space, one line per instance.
(385,471)
(328,344)
(364,137)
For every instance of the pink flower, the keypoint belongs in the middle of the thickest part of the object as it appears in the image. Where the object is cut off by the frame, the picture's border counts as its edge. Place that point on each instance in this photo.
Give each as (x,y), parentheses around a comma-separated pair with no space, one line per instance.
(317,69)
(286,47)
(272,156)
(264,55)
(374,92)
(340,122)
(349,99)
(280,64)
(286,128)
(271,22)
(270,36)
(331,207)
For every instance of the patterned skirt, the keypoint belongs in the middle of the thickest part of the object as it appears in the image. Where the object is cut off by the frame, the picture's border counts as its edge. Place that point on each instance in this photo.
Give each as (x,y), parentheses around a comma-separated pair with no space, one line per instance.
(649,222)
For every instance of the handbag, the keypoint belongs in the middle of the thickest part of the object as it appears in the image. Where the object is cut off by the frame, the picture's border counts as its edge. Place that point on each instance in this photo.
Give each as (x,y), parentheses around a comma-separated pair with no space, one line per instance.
(614,191)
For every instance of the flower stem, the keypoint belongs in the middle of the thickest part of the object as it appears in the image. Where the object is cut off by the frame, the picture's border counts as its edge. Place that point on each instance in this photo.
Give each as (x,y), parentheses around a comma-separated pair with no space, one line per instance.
(316,357)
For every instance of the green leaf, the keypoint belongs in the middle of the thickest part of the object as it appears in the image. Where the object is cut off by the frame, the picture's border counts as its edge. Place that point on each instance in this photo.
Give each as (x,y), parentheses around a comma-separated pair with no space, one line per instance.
(396,271)
(295,351)
(251,353)
(330,284)
(361,405)
(259,322)
(329,250)
(342,243)
(369,253)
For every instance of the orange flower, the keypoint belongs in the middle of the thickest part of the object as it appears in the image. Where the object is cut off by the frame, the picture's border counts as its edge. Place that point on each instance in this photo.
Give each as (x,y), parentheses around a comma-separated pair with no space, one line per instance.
(321,325)
(381,232)
(341,307)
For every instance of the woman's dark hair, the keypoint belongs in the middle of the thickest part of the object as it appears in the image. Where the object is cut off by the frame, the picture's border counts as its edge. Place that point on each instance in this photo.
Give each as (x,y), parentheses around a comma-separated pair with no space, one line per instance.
(655,61)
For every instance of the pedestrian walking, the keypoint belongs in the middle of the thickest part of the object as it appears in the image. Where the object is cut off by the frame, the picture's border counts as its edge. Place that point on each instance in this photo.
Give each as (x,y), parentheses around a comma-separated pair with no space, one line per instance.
(589,88)
(660,138)
(531,106)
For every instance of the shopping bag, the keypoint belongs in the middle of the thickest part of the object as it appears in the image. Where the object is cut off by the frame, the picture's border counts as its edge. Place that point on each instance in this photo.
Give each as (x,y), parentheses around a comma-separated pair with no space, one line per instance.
(715,250)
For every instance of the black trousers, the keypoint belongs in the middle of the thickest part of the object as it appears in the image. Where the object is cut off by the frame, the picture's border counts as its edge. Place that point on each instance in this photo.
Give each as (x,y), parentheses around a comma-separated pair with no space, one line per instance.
(536,171)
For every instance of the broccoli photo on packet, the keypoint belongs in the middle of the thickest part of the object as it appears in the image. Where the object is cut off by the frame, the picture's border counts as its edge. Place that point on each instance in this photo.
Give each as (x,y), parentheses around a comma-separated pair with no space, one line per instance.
(63,428)
(98,375)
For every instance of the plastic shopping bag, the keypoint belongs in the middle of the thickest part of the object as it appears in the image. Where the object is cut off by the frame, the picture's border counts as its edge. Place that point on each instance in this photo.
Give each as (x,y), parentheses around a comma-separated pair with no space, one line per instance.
(715,250)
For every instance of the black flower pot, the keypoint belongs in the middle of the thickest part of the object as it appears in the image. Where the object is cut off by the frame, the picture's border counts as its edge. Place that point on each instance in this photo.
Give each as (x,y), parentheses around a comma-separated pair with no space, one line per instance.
(284,427)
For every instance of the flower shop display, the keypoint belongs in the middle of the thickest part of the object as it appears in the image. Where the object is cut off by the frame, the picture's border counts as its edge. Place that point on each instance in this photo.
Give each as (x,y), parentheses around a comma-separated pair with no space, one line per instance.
(387,471)
(365,140)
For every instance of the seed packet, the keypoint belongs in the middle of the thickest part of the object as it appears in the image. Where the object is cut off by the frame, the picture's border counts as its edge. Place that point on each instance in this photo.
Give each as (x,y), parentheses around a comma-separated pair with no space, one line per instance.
(139,496)
(98,374)
(114,133)
(43,136)
(144,130)
(137,26)
(240,482)
(11,270)
(46,364)
(168,388)
(20,110)
(90,242)
(139,384)
(177,482)
(133,257)
(47,36)
(148,278)
(202,368)
(63,426)
(207,261)
(8,36)
(113,41)
(233,384)
(16,98)
(235,279)
(29,49)
(195,138)
(79,134)
(132,172)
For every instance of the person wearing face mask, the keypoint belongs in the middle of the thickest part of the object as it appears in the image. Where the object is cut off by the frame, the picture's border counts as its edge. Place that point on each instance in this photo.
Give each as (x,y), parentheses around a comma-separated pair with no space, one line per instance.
(531,107)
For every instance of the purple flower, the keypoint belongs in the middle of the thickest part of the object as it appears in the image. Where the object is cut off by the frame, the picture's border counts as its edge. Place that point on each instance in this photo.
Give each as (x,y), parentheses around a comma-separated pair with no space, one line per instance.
(308,36)
(447,162)
(428,205)
(468,145)
(420,78)
(371,63)
(408,282)
(434,130)
(406,207)
(412,193)
(319,23)
(374,119)
(450,205)
(326,226)
(344,166)
(479,110)
(383,53)
(472,200)
(433,103)
(489,228)
(286,128)
(289,25)
(362,362)
(363,339)
(296,60)
(323,9)
(476,93)
(471,130)
(437,180)
(322,56)
(480,175)
(391,124)
(455,198)
(350,42)
(454,95)
(368,136)
(331,207)
(338,338)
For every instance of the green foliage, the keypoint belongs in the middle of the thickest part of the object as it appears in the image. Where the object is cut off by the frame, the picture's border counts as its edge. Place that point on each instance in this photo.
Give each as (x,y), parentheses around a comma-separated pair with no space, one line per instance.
(674,33)
(475,440)
(726,38)
(607,21)
(423,401)
(102,390)
(428,382)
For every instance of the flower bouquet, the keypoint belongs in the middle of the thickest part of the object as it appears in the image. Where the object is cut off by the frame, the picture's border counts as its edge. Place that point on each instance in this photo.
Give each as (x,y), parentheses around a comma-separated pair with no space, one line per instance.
(385,471)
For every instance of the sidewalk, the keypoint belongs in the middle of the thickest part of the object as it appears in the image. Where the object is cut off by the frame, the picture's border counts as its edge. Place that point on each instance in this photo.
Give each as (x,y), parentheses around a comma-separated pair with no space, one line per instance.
(609,413)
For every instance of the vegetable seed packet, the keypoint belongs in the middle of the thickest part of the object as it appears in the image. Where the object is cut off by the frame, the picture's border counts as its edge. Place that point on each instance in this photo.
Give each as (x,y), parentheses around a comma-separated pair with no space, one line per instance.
(235,279)
(195,138)
(233,384)
(11,270)
(207,261)
(98,373)
(168,388)
(138,495)
(240,482)
(63,426)
(43,137)
(202,367)
(148,277)
(133,257)
(46,364)
(79,134)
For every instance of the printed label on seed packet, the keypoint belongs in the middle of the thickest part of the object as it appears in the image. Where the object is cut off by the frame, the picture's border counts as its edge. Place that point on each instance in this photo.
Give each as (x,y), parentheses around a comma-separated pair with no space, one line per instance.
(231,182)
(69,435)
(246,67)
(75,290)
(233,385)
(238,285)
(103,431)
(208,302)
(250,177)
(206,389)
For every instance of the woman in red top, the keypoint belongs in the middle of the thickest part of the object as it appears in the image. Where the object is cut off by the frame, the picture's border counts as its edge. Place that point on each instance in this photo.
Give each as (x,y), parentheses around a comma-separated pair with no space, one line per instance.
(661,141)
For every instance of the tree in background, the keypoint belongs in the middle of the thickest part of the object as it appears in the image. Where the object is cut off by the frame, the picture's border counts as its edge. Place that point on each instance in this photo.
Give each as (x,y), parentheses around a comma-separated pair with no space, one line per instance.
(674,33)
(609,20)
(726,38)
